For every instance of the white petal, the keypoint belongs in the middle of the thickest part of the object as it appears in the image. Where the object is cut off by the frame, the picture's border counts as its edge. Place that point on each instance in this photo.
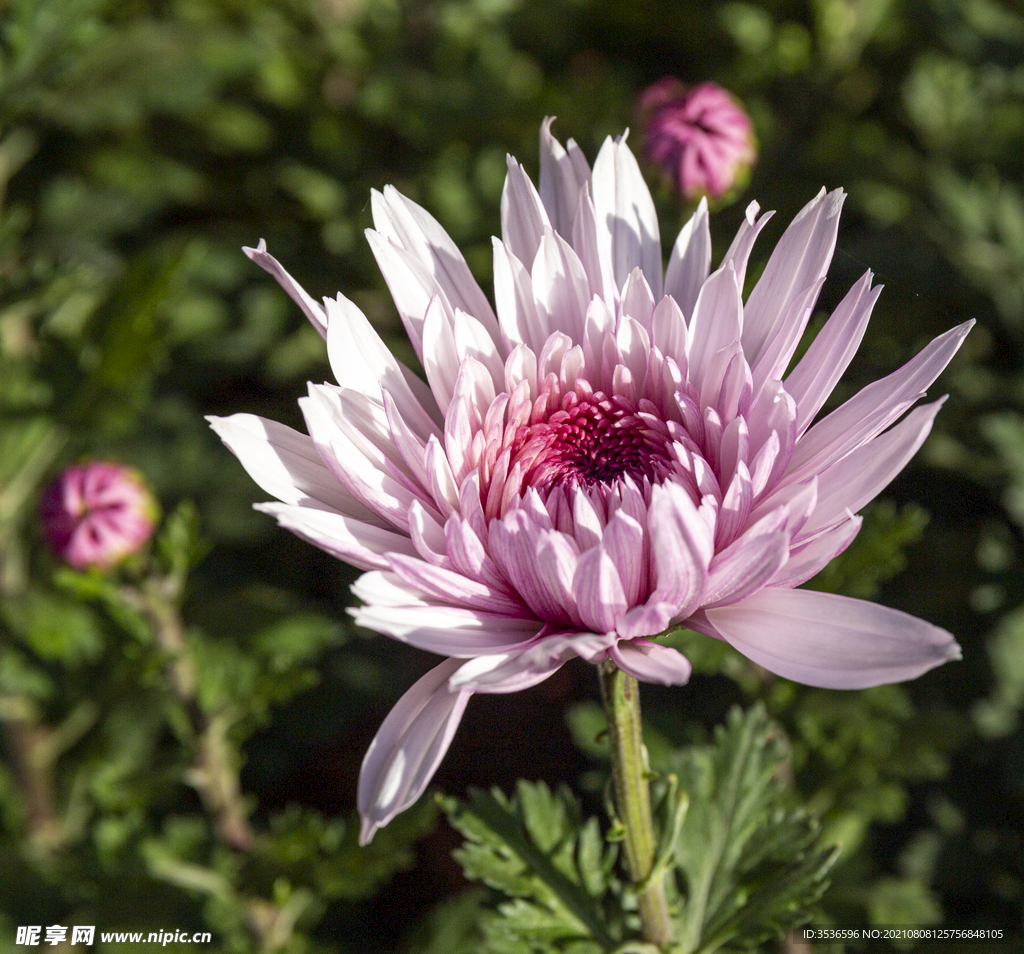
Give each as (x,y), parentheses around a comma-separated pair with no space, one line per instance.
(416,230)
(627,222)
(561,287)
(310,308)
(523,217)
(717,322)
(690,261)
(446,630)
(517,307)
(360,360)
(560,180)
(285,463)
(354,541)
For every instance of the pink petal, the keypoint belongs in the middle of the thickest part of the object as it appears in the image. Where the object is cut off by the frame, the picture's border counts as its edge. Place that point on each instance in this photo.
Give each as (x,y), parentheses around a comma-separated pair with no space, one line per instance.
(598,591)
(808,561)
(743,243)
(859,477)
(513,295)
(799,260)
(874,407)
(446,586)
(408,748)
(818,371)
(830,641)
(681,549)
(650,662)
(749,562)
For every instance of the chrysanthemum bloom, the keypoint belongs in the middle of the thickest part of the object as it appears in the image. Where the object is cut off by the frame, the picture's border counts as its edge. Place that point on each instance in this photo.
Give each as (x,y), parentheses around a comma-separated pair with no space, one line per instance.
(700,137)
(97,514)
(609,453)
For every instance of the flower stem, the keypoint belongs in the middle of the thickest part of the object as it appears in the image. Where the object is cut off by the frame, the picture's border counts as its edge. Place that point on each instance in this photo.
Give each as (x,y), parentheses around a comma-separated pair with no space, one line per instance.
(621,696)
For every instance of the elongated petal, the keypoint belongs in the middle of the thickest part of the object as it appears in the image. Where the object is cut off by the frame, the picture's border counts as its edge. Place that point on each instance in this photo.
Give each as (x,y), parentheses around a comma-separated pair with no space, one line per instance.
(800,259)
(310,308)
(560,180)
(446,586)
(560,286)
(874,407)
(285,463)
(859,477)
(681,548)
(354,541)
(598,591)
(690,261)
(808,561)
(829,355)
(650,662)
(411,286)
(413,228)
(445,630)
(717,322)
(743,243)
(523,217)
(830,641)
(360,360)
(408,748)
(627,221)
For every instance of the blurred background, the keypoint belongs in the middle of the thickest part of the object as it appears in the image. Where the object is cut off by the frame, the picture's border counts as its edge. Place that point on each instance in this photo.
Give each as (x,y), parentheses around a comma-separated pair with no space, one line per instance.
(143,142)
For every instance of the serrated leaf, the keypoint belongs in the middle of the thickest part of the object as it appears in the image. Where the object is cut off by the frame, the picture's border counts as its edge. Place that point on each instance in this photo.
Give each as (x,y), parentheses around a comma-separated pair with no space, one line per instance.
(751,865)
(534,848)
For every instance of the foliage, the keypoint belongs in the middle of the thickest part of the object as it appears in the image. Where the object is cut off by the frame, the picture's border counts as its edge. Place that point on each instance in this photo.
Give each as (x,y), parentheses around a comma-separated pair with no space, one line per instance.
(749,865)
(181,740)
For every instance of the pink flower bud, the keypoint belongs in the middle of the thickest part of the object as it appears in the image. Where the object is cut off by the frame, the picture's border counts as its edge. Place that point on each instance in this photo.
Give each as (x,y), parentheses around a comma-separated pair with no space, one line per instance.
(98,513)
(699,136)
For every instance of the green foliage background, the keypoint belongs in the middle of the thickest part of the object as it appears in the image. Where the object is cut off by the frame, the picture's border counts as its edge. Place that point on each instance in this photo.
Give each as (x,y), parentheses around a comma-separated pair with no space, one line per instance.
(142,142)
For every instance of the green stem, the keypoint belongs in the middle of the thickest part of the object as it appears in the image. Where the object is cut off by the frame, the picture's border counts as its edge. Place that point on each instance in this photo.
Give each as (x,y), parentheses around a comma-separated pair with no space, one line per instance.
(621,696)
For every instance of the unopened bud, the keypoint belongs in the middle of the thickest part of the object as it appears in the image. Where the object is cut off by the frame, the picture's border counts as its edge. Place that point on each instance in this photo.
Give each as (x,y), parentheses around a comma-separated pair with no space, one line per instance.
(700,136)
(97,514)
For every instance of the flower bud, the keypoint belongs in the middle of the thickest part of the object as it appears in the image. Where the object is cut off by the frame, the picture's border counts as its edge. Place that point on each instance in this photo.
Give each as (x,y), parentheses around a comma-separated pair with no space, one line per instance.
(98,513)
(699,136)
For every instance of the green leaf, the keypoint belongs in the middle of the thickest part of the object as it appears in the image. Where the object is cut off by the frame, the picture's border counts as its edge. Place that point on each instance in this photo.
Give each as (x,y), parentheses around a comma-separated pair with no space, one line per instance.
(536,848)
(752,866)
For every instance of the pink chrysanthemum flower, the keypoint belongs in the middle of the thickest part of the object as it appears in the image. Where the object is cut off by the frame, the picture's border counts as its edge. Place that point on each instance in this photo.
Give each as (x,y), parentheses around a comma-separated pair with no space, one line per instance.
(610,453)
(700,137)
(97,514)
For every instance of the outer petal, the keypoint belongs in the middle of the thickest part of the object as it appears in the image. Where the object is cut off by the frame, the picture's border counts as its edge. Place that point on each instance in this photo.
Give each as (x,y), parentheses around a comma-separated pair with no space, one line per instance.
(874,407)
(523,216)
(830,641)
(416,230)
(444,630)
(818,371)
(562,175)
(408,748)
(690,261)
(285,463)
(858,478)
(296,292)
(650,662)
(800,259)
(626,218)
(354,541)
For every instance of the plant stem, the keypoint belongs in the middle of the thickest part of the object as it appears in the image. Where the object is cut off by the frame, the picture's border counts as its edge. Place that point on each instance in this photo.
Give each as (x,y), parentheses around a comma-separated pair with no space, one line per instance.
(621,696)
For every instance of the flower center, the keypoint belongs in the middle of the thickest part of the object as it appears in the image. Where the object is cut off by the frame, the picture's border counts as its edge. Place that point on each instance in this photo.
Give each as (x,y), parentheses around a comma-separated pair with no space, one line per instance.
(596,439)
